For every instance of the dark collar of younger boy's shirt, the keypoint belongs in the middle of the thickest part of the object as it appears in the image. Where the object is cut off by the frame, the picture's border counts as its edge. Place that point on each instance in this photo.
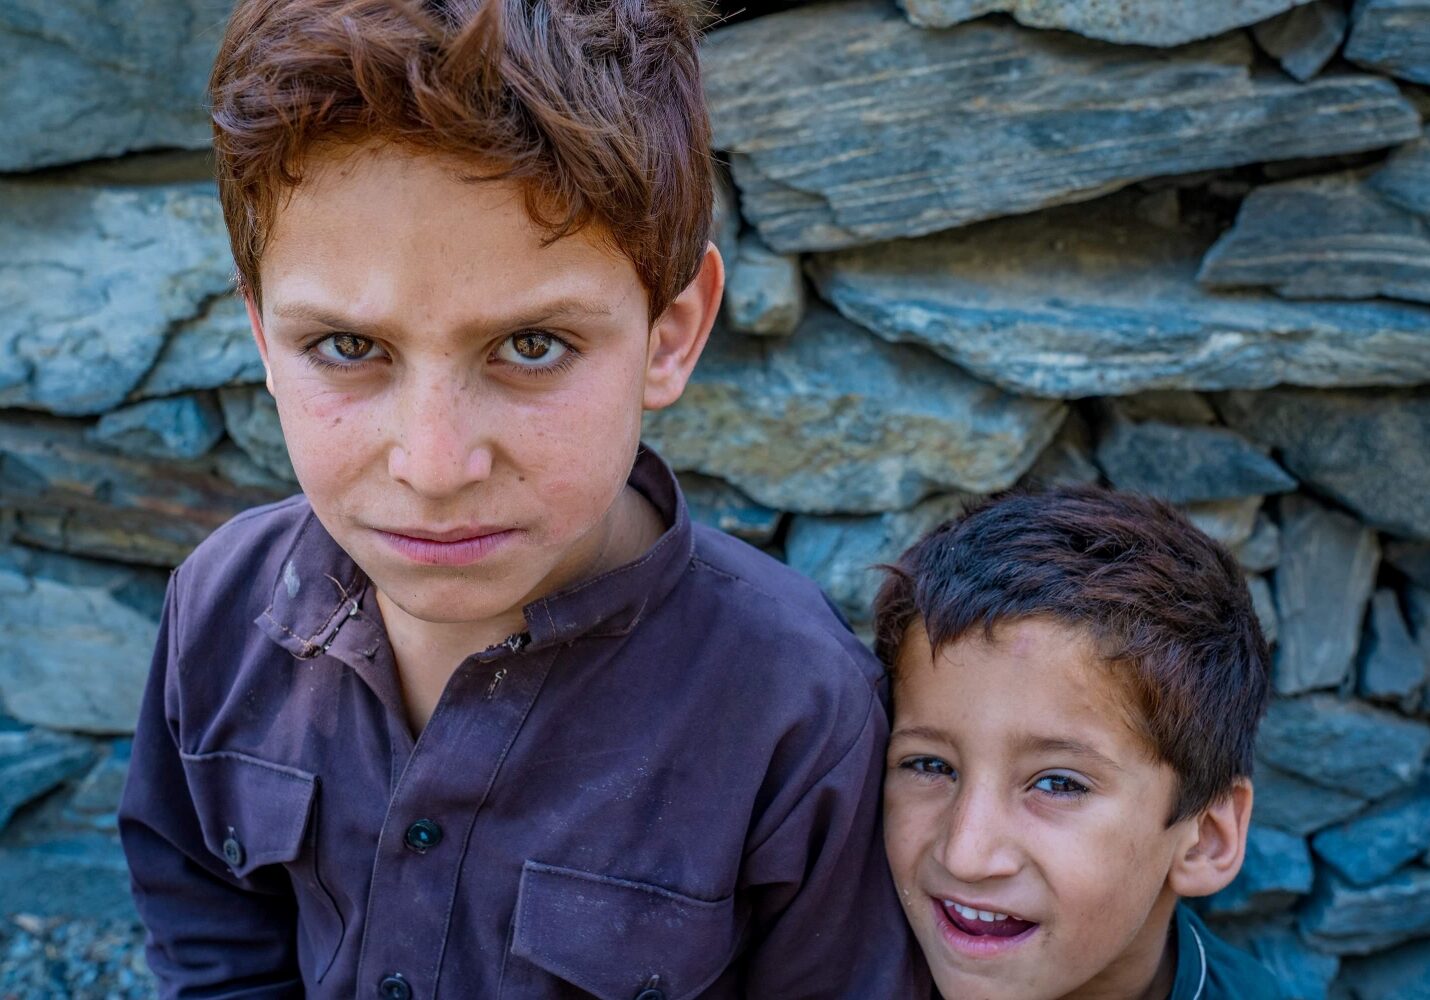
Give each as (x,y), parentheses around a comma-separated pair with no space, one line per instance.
(321,601)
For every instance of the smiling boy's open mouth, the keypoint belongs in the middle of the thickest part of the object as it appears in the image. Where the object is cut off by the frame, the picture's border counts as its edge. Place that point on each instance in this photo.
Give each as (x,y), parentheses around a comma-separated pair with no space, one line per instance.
(984,923)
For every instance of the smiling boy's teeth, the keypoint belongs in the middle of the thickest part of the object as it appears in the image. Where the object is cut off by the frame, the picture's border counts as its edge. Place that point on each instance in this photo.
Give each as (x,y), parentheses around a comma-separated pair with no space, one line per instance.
(969,913)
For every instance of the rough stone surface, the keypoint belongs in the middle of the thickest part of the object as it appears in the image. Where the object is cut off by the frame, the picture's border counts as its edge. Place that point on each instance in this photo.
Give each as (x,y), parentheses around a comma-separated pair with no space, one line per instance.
(1343,746)
(91,281)
(833,420)
(1323,581)
(840,553)
(78,637)
(720,505)
(211,350)
(1262,551)
(1392,36)
(1276,870)
(1087,300)
(848,125)
(1352,920)
(251,417)
(75,496)
(94,78)
(1327,237)
(1377,842)
(1230,522)
(84,875)
(1366,450)
(1302,974)
(1289,803)
(1410,558)
(1129,22)
(1168,406)
(765,293)
(1405,178)
(1187,464)
(1401,973)
(95,802)
(33,761)
(1265,607)
(1067,460)
(1304,38)
(175,427)
(1392,668)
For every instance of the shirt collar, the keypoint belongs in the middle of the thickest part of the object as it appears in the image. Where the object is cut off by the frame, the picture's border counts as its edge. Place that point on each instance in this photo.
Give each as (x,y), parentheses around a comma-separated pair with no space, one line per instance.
(1190,982)
(319,588)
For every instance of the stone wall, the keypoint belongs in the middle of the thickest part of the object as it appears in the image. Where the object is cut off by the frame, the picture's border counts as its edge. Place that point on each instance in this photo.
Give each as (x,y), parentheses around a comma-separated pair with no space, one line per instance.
(1173,245)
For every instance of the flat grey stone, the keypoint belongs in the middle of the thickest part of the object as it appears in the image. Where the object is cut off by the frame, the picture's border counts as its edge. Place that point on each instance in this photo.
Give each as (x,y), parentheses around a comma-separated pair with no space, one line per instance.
(1187,464)
(251,417)
(1065,461)
(1355,920)
(84,875)
(765,293)
(1366,450)
(92,279)
(841,553)
(1417,607)
(1289,803)
(1402,973)
(1265,607)
(847,125)
(214,349)
(1343,745)
(1390,834)
(1087,300)
(832,420)
(1230,522)
(1304,38)
(1323,582)
(1276,871)
(94,78)
(174,427)
(1392,36)
(78,636)
(69,494)
(1331,237)
(1410,558)
(1129,22)
(1262,551)
(720,505)
(1392,668)
(1404,180)
(95,802)
(32,762)
(1301,972)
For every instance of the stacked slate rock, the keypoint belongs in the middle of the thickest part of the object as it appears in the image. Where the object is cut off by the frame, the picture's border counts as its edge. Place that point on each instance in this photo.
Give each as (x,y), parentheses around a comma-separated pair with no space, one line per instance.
(1174,246)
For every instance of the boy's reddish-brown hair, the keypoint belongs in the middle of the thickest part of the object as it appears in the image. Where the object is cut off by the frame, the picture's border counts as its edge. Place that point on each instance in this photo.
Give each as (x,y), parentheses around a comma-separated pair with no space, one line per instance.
(593,106)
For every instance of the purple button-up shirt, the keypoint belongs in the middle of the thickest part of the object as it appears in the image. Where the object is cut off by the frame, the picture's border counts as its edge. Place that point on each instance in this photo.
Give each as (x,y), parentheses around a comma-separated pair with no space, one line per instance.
(668,788)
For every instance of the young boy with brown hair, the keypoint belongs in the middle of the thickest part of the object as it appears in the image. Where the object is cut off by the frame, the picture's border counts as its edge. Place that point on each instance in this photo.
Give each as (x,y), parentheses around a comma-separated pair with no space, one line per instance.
(1078,679)
(481,713)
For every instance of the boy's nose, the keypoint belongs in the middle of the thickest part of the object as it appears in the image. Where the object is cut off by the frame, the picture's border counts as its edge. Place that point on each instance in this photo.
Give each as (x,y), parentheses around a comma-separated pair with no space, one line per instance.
(441,445)
(978,842)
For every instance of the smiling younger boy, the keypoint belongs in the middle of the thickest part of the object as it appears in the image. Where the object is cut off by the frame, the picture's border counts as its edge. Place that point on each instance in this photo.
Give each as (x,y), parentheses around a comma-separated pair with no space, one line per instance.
(1078,679)
(481,713)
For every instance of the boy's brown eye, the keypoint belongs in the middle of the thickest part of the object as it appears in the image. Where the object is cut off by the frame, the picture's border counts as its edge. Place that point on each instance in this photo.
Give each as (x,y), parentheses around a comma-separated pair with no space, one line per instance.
(351,346)
(532,346)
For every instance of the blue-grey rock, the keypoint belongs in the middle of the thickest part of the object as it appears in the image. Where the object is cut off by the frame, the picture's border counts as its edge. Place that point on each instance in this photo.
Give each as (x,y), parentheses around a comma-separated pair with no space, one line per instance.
(725,217)
(1304,38)
(765,291)
(833,420)
(1066,460)
(32,762)
(92,279)
(214,349)
(1366,450)
(175,427)
(1230,522)
(1417,607)
(1301,972)
(78,635)
(847,125)
(1128,22)
(83,875)
(1343,746)
(1264,604)
(95,802)
(1392,36)
(841,553)
(1087,300)
(1392,668)
(1276,871)
(1391,833)
(1187,464)
(1168,406)
(1289,803)
(93,78)
(1405,178)
(1323,582)
(1353,920)
(1329,237)
(1402,973)
(251,418)
(720,505)
(1410,558)
(1262,551)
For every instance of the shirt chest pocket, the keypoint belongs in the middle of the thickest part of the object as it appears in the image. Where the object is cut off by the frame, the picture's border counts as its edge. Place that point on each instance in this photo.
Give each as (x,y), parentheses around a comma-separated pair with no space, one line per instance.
(576,934)
(256,816)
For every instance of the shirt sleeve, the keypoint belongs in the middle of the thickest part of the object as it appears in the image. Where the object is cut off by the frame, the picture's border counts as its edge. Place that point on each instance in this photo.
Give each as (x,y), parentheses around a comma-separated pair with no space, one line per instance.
(209,934)
(827,922)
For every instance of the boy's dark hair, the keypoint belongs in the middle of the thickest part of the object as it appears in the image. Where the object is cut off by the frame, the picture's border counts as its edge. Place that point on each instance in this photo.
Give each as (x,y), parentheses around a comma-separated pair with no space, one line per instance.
(1167,606)
(594,106)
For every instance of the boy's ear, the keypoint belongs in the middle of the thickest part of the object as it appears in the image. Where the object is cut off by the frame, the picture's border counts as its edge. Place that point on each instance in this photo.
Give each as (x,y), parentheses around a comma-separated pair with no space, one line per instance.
(255,323)
(679,334)
(1214,846)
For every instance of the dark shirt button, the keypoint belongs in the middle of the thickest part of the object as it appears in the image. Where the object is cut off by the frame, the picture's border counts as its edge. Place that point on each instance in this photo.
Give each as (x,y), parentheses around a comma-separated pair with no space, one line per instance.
(423,834)
(650,994)
(394,987)
(233,852)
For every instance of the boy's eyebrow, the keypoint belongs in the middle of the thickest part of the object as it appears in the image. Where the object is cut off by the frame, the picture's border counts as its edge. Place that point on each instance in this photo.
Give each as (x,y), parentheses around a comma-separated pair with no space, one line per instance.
(1031,744)
(543,313)
(922,733)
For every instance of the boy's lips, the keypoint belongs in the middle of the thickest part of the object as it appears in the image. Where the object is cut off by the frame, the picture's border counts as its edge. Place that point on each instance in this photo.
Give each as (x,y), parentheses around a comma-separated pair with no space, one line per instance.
(457,547)
(980,931)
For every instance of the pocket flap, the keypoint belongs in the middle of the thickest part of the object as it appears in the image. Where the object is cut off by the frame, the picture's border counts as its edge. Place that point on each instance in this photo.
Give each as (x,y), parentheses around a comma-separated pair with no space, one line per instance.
(613,937)
(253,813)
